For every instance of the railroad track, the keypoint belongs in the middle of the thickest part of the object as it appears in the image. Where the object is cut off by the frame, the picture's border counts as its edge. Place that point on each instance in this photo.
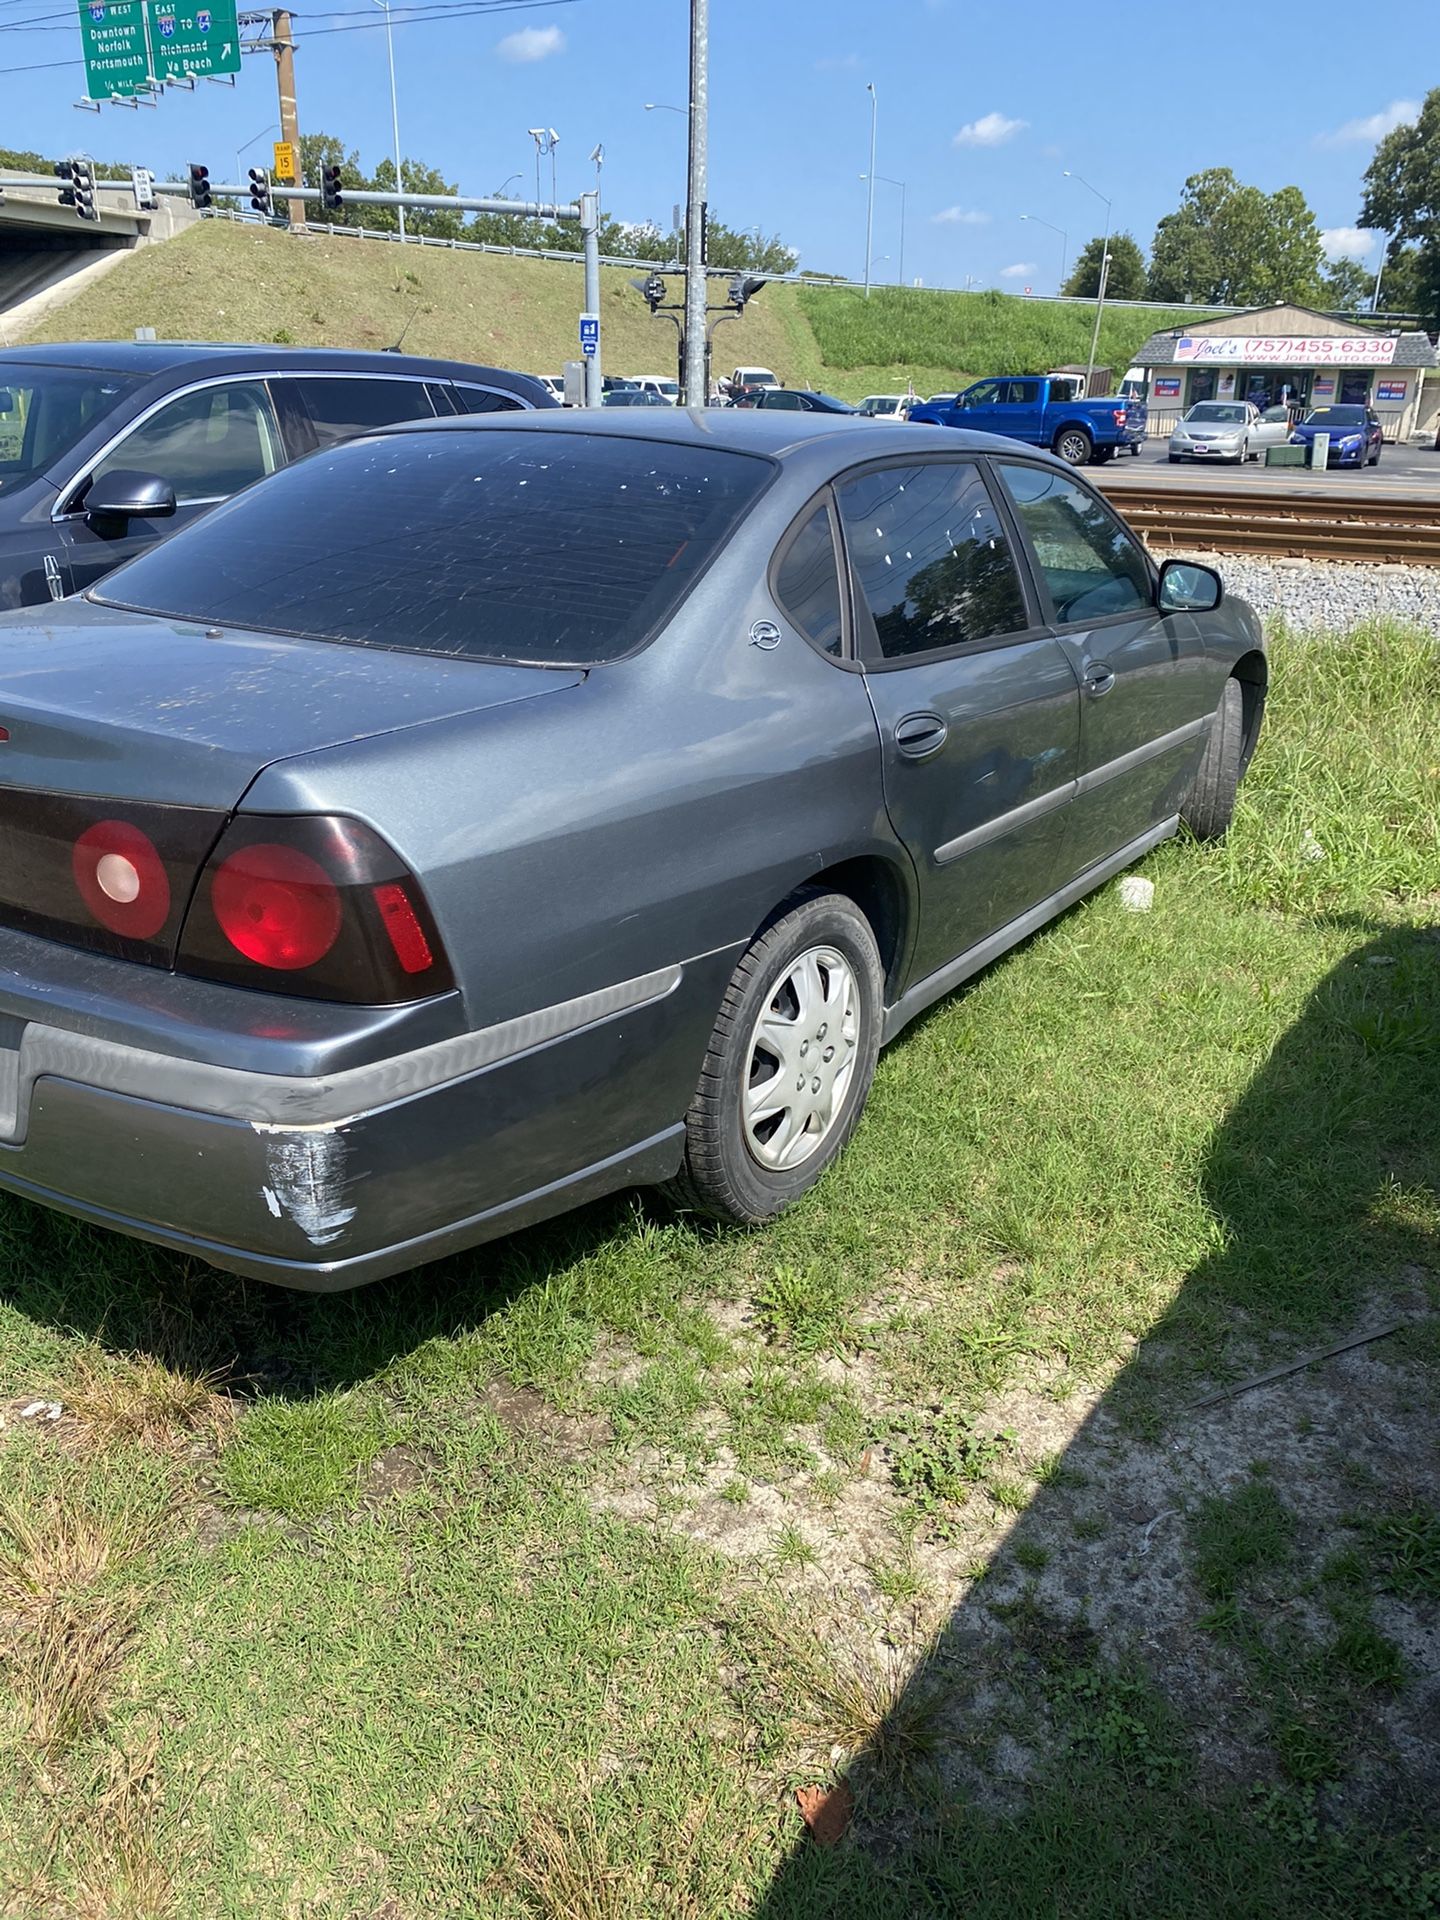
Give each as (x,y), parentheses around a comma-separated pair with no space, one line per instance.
(1306,526)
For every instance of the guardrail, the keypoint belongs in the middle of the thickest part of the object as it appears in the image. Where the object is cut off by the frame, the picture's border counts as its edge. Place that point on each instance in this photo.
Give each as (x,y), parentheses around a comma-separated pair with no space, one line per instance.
(1318,525)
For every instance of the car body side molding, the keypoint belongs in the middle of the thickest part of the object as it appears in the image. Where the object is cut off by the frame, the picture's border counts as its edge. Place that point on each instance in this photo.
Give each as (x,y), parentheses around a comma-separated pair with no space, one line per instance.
(945,979)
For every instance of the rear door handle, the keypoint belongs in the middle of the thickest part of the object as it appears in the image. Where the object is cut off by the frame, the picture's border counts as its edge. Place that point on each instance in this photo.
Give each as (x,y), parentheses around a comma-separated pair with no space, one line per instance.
(920,734)
(1099,678)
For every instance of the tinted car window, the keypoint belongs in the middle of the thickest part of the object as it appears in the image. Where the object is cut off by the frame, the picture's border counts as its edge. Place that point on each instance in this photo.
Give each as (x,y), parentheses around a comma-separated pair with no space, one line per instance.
(207,444)
(490,543)
(1336,417)
(45,410)
(341,408)
(484,400)
(808,585)
(931,557)
(1091,565)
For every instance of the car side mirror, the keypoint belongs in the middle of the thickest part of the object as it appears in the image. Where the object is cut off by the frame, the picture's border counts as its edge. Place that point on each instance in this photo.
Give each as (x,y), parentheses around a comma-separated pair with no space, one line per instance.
(1186,587)
(123,494)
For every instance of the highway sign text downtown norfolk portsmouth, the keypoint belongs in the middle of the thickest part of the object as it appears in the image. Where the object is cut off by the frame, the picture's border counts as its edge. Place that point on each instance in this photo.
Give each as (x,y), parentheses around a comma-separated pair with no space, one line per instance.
(130,45)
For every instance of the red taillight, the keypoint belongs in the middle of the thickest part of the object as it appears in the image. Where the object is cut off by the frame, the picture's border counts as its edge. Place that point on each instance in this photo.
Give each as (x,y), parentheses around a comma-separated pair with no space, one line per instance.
(277,906)
(317,905)
(406,934)
(121,878)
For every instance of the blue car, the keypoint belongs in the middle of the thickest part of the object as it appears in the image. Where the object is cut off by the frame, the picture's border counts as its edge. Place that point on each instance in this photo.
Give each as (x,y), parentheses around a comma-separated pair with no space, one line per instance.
(1355,435)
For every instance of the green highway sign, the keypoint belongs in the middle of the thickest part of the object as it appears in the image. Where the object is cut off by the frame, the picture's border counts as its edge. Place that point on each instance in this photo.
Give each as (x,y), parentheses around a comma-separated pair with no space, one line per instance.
(186,39)
(112,39)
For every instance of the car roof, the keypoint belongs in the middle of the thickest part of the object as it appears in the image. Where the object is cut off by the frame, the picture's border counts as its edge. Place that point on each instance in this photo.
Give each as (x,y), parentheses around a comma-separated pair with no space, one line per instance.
(779,433)
(149,357)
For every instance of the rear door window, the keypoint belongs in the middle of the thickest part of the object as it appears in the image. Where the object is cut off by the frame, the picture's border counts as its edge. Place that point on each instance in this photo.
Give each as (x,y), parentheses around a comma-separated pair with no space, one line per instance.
(807,583)
(931,558)
(484,400)
(526,546)
(343,405)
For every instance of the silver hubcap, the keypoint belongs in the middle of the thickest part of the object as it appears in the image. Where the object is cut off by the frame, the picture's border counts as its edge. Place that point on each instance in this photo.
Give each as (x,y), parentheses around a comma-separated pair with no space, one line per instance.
(801,1059)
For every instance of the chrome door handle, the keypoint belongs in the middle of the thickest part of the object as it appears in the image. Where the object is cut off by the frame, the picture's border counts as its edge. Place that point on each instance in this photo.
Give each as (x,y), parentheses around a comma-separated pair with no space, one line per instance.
(920,734)
(1099,678)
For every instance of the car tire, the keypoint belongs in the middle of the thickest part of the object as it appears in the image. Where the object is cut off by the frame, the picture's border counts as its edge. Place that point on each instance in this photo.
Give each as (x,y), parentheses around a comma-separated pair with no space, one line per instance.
(1135,450)
(1375,458)
(1210,805)
(1074,446)
(1174,459)
(745,1160)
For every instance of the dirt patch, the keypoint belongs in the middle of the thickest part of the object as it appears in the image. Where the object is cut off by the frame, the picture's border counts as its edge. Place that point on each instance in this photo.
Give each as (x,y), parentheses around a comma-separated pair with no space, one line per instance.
(529,1416)
(399,1469)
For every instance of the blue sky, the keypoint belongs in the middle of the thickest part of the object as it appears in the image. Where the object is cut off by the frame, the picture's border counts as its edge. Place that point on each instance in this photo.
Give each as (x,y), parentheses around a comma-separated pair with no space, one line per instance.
(981,108)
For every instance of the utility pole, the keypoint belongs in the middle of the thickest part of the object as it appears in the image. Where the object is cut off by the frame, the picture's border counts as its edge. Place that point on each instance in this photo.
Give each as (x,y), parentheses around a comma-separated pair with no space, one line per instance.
(697,390)
(284,49)
(590,234)
(1099,309)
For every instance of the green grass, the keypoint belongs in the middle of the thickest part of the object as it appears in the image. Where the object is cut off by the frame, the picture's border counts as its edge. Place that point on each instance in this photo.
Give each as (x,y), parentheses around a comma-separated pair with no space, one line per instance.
(421,1625)
(220,281)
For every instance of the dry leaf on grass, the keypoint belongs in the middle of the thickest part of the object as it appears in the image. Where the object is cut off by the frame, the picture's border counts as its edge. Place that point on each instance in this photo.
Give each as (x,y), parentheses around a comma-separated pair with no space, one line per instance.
(826,1811)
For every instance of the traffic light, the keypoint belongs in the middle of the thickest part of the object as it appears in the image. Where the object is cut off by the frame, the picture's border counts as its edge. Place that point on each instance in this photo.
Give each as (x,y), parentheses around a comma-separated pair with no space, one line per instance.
(260,191)
(63,171)
(200,195)
(82,189)
(651,290)
(743,287)
(332,196)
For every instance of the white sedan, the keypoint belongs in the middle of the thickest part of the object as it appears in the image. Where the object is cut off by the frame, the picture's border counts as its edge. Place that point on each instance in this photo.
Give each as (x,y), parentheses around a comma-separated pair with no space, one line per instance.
(1231,430)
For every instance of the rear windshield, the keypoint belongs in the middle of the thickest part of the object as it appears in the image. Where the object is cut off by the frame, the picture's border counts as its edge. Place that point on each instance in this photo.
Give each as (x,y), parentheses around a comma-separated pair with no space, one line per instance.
(534,548)
(45,410)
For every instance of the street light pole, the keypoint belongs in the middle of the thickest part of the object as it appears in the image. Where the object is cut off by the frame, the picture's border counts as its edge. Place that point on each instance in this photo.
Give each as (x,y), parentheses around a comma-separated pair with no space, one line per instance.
(274,127)
(1379,273)
(901,184)
(1104,276)
(394,109)
(870,191)
(696,191)
(1064,243)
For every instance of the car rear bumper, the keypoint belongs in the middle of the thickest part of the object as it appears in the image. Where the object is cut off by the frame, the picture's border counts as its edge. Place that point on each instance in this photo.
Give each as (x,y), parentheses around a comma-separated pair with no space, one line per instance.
(327,1181)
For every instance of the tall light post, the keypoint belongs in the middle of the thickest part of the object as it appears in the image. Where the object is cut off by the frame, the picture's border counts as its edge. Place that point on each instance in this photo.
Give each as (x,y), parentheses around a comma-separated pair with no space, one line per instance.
(900,270)
(1064,243)
(1104,275)
(500,190)
(394,109)
(870,192)
(274,127)
(1380,273)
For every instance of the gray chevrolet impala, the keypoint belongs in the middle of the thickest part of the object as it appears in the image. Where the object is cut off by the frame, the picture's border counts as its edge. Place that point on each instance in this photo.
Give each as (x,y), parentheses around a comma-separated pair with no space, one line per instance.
(489,814)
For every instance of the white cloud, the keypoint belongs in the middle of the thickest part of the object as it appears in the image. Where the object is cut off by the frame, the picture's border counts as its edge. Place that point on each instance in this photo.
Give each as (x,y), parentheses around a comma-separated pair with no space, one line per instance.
(1019,271)
(531,43)
(990,130)
(960,217)
(838,63)
(1347,243)
(1373,127)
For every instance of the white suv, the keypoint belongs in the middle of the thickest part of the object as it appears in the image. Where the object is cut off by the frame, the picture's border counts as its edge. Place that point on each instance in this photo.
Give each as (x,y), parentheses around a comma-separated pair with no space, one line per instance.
(668,390)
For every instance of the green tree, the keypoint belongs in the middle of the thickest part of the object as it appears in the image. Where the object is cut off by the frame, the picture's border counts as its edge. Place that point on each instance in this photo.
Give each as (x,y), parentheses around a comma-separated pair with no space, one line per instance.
(1402,197)
(1236,246)
(1402,283)
(1348,286)
(1126,280)
(440,223)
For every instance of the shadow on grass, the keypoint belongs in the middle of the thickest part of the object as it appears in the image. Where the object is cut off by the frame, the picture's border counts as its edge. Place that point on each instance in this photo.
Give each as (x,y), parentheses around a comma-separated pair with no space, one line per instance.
(1199,1676)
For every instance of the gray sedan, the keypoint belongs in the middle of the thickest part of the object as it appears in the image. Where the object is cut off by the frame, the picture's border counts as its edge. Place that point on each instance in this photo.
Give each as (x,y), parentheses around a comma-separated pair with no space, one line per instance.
(1233,430)
(482,816)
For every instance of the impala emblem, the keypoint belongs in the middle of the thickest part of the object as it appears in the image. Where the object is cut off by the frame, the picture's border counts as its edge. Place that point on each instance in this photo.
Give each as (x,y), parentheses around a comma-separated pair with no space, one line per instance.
(765,634)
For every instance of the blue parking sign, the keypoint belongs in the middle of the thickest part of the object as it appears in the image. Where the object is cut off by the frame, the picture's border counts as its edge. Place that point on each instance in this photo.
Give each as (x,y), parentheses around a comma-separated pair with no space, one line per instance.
(589,331)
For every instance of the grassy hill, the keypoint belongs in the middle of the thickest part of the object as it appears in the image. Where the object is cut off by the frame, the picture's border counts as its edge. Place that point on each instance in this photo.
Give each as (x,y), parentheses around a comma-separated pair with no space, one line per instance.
(220,281)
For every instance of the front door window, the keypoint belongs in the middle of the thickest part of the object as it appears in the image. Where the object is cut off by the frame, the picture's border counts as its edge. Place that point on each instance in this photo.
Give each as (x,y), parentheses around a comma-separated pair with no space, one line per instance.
(207,444)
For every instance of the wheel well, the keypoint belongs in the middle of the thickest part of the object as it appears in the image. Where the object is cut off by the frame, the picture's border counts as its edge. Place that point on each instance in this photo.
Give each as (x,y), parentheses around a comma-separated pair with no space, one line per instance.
(1072,426)
(878,890)
(1252,670)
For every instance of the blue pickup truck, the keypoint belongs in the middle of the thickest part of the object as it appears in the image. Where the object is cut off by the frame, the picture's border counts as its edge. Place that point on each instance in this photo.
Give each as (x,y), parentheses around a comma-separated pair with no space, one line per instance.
(1039,409)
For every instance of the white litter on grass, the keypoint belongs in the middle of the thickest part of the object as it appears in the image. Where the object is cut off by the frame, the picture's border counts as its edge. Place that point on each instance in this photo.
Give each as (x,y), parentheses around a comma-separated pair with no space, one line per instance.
(50,1409)
(1310,847)
(1137,895)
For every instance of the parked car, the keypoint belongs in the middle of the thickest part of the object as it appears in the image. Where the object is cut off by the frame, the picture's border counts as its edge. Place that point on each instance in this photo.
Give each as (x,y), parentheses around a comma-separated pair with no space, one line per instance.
(1232,430)
(745,378)
(1356,435)
(668,389)
(108,446)
(1040,411)
(885,406)
(633,397)
(798,400)
(553,383)
(395,873)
